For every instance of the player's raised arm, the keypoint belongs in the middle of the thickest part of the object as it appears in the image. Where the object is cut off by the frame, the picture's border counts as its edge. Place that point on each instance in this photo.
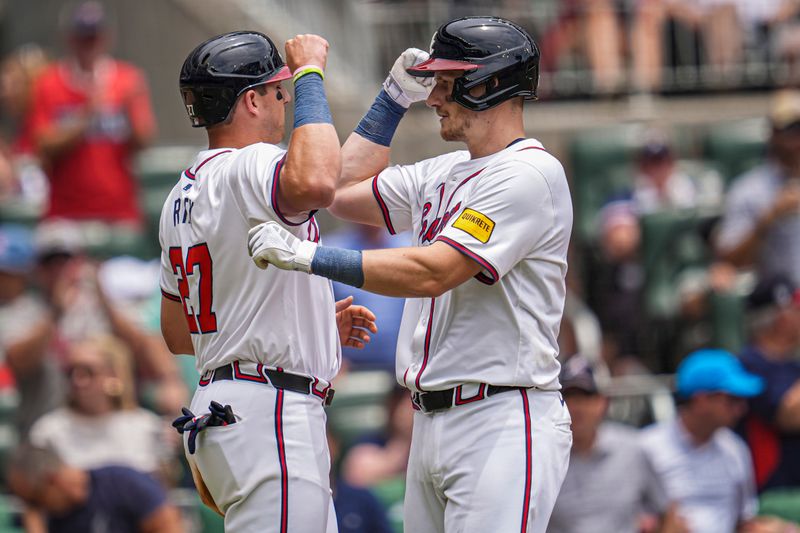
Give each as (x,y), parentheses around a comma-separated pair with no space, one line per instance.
(366,152)
(309,175)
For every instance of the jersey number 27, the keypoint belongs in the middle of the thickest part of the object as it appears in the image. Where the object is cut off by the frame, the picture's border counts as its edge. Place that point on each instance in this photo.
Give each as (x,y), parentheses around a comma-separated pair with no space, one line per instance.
(198,263)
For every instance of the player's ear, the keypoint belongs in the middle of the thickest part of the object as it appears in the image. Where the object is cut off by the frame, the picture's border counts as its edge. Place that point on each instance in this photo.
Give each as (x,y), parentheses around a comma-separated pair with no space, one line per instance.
(250,99)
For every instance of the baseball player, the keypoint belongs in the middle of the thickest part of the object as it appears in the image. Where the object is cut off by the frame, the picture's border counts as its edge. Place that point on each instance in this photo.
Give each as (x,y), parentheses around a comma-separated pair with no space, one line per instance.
(485,278)
(267,347)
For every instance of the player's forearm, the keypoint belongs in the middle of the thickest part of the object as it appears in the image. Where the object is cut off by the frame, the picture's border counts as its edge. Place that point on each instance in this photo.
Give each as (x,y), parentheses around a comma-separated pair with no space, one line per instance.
(312,167)
(361,159)
(365,154)
(367,151)
(313,160)
(404,272)
(414,272)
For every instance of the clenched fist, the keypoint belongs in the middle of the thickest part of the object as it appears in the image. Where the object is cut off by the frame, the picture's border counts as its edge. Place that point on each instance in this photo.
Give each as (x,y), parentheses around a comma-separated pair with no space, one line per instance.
(306,49)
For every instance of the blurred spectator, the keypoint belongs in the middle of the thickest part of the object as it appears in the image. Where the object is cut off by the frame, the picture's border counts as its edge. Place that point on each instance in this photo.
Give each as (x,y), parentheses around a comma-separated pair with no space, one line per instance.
(380,352)
(27,328)
(382,457)
(610,484)
(706,467)
(357,509)
(102,424)
(773,426)
(91,114)
(768,28)
(111,499)
(660,185)
(593,27)
(761,225)
(21,177)
(82,308)
(717,22)
(617,281)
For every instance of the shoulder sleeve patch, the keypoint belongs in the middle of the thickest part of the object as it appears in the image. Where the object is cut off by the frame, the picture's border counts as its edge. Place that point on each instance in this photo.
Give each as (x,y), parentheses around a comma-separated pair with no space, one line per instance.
(476,224)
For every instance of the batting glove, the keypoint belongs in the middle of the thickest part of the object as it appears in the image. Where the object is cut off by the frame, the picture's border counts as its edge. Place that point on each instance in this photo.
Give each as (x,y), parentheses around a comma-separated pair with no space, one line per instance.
(220,415)
(401,86)
(270,244)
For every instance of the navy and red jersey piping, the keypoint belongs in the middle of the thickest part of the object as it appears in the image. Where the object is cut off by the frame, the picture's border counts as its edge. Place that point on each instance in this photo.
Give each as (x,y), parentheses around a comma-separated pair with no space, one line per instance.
(274,196)
(170,296)
(284,524)
(532,148)
(526,500)
(493,276)
(427,347)
(192,175)
(382,205)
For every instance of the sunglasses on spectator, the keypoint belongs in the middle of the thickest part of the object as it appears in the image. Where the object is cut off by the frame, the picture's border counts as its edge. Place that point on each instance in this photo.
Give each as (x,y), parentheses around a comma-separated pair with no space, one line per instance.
(82,371)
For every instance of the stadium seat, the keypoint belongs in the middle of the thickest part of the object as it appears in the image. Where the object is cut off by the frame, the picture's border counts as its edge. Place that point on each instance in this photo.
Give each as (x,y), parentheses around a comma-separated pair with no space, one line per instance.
(727,318)
(599,162)
(736,146)
(783,503)
(9,400)
(672,242)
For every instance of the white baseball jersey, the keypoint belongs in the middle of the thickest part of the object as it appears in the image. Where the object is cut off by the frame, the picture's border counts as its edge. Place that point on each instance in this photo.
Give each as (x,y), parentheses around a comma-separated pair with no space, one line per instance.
(512,213)
(235,310)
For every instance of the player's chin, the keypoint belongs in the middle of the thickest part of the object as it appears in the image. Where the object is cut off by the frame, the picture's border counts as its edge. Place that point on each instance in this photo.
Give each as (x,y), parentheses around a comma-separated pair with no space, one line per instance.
(449,134)
(446,128)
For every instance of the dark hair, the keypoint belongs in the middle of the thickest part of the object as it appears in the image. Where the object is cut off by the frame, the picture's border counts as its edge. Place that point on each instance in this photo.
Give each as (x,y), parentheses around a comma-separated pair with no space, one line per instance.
(260,89)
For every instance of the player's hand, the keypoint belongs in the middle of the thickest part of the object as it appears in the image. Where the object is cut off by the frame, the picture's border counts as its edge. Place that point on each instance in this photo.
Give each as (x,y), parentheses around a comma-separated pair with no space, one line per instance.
(307,49)
(270,244)
(354,322)
(401,86)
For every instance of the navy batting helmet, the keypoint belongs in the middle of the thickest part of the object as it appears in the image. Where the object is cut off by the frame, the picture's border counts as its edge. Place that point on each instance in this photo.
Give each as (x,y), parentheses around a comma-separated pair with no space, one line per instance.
(486,49)
(220,69)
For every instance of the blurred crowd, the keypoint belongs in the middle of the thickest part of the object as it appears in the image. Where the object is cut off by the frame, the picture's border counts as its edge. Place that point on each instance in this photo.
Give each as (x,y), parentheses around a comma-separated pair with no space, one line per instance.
(633,44)
(677,267)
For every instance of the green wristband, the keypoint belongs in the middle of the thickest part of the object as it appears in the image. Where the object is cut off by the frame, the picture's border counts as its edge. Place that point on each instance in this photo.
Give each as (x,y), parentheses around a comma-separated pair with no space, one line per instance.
(302,71)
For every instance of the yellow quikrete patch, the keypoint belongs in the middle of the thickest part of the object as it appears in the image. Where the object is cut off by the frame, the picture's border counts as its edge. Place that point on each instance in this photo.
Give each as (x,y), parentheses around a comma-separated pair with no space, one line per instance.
(476,224)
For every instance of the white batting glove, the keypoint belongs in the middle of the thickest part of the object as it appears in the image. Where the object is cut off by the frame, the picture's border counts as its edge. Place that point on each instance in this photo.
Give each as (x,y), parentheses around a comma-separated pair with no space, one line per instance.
(401,86)
(270,244)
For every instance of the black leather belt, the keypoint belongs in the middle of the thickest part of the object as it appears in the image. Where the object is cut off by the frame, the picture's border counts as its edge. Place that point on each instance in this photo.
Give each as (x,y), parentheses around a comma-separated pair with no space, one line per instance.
(445,399)
(281,380)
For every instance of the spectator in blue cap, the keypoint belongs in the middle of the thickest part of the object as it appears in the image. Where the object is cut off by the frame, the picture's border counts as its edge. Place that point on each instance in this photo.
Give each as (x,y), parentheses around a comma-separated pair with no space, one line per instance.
(772,427)
(705,466)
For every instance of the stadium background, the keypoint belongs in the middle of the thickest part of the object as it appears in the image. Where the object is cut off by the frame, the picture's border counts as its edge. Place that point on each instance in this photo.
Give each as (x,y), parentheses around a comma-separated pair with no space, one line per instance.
(714,118)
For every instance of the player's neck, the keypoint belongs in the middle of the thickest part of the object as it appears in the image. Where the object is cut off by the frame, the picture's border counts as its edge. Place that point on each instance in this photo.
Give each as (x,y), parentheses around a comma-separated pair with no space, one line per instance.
(227,137)
(495,134)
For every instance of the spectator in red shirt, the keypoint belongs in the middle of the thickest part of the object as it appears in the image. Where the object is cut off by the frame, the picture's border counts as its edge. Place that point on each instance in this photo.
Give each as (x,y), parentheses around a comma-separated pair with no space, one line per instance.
(90,115)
